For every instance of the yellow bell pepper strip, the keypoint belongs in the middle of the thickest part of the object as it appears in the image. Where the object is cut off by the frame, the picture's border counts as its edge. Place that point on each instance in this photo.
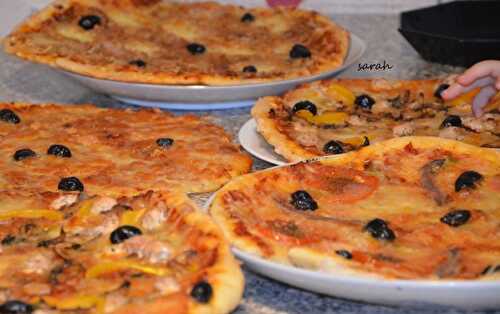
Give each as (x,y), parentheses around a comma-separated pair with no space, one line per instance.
(464,98)
(116,266)
(494,104)
(357,141)
(132,217)
(31,213)
(325,118)
(77,302)
(84,210)
(342,94)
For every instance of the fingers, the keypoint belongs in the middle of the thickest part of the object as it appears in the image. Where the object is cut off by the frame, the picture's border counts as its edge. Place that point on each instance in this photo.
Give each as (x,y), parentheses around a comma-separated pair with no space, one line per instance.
(482,99)
(457,89)
(479,70)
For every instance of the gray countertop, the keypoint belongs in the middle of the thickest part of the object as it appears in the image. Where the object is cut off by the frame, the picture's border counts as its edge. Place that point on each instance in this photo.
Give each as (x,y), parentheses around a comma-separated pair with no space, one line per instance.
(22,81)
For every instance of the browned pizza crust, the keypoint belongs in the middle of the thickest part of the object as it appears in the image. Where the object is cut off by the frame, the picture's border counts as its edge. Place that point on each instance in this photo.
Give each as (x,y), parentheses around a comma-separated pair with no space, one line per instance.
(71,258)
(115,152)
(146,41)
(400,108)
(405,208)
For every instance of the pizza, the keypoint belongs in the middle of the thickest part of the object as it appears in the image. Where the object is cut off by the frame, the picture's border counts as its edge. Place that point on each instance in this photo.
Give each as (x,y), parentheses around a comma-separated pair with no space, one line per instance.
(340,115)
(167,42)
(150,253)
(111,151)
(421,208)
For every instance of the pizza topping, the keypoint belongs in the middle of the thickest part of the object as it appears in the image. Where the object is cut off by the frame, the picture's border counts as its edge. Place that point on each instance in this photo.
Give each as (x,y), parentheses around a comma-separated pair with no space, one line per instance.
(102,204)
(364,102)
(138,63)
(16,307)
(326,118)
(341,94)
(23,154)
(59,151)
(123,233)
(405,129)
(124,265)
(456,218)
(451,120)
(8,239)
(247,17)
(88,22)
(344,253)
(299,51)
(441,88)
(147,247)
(490,269)
(305,105)
(31,214)
(302,200)
(164,142)
(250,69)
(9,116)
(379,229)
(195,48)
(427,174)
(333,148)
(70,184)
(468,179)
(64,200)
(202,292)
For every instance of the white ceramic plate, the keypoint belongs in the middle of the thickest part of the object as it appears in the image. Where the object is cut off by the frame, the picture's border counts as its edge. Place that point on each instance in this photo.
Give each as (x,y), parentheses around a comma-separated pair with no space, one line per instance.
(469,295)
(256,145)
(199,97)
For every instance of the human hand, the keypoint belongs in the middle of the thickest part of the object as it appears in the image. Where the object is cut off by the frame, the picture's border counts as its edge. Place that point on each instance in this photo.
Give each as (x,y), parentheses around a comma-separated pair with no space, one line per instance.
(484,75)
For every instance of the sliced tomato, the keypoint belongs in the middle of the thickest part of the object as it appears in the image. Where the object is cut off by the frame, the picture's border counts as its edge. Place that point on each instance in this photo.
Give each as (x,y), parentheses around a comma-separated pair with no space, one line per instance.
(287,239)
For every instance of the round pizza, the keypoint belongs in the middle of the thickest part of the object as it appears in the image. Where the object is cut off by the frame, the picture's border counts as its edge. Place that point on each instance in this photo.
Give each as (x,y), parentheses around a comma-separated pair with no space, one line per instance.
(167,42)
(408,208)
(151,253)
(111,151)
(340,115)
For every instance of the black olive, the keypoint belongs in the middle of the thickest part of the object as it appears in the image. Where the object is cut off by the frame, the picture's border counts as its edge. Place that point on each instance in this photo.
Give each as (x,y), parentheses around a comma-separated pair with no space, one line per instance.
(250,69)
(364,101)
(9,116)
(165,142)
(202,292)
(379,229)
(305,105)
(456,218)
(23,154)
(16,307)
(441,88)
(59,151)
(299,51)
(366,142)
(333,148)
(468,179)
(195,49)
(451,120)
(345,254)
(123,233)
(303,201)
(8,239)
(247,18)
(70,184)
(76,246)
(88,22)
(138,63)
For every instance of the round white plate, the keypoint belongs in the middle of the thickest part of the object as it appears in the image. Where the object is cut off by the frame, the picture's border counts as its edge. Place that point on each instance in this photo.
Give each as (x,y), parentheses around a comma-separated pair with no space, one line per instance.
(200,97)
(469,295)
(256,145)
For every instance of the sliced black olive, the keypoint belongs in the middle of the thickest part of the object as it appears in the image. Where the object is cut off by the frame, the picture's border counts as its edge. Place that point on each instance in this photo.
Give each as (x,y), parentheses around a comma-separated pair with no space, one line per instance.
(165,142)
(468,179)
(8,239)
(345,254)
(305,105)
(23,154)
(123,233)
(441,88)
(366,142)
(202,292)
(76,246)
(138,63)
(70,184)
(456,218)
(364,101)
(333,148)
(379,229)
(7,115)
(451,120)
(250,69)
(59,151)
(195,48)
(88,22)
(299,51)
(16,307)
(247,18)
(302,200)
